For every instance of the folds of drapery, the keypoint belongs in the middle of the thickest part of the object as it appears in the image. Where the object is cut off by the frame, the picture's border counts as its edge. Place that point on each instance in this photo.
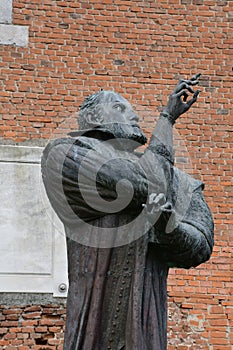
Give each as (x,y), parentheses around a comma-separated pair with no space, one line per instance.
(83,179)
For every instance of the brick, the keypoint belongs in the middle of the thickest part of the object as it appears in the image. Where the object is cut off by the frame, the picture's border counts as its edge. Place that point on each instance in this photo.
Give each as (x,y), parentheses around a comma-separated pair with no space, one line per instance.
(16,342)
(23,336)
(10,336)
(3,330)
(4,342)
(41,347)
(27,329)
(9,324)
(29,323)
(41,329)
(31,315)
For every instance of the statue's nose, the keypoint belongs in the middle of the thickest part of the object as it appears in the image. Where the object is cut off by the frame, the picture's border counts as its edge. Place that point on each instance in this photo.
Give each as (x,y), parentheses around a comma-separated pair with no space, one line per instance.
(134,117)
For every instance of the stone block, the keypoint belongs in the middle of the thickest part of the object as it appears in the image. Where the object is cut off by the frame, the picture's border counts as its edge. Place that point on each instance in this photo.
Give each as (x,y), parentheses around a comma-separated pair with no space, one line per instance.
(32,250)
(5,11)
(13,35)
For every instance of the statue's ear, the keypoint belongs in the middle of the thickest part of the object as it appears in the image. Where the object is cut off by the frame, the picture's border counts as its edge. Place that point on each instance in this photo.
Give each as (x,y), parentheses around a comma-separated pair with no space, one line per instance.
(93,119)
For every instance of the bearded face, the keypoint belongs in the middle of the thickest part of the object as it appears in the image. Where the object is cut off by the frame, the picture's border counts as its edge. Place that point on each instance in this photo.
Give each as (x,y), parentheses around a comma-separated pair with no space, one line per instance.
(115,114)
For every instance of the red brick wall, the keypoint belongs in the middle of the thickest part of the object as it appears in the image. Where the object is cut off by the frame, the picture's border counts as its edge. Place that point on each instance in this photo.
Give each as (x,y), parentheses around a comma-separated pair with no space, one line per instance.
(139,49)
(37,327)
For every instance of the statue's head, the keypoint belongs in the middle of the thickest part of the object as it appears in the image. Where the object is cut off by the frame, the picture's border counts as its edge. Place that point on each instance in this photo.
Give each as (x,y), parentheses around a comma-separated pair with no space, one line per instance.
(107,110)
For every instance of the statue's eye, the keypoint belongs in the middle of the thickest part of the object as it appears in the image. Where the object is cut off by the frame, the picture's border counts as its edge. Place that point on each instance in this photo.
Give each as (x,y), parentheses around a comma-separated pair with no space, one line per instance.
(119,107)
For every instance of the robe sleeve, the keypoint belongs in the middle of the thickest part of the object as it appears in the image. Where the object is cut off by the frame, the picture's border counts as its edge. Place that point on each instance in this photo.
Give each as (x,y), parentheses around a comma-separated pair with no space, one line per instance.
(96,190)
(191,242)
(79,188)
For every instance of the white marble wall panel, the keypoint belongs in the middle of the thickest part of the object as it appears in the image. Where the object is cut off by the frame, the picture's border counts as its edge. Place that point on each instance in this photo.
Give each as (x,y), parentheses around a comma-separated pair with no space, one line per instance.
(32,247)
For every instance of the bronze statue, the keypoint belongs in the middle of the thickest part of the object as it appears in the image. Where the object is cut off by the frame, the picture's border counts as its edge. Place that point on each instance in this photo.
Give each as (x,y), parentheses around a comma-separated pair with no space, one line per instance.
(128,218)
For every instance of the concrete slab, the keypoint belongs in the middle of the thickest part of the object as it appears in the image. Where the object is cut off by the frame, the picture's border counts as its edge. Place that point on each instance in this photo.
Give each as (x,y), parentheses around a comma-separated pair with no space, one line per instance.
(33,247)
(14,35)
(5,11)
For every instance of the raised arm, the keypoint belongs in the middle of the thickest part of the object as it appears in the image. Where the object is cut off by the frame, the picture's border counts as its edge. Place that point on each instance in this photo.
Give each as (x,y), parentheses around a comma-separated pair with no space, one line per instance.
(178,103)
(190,241)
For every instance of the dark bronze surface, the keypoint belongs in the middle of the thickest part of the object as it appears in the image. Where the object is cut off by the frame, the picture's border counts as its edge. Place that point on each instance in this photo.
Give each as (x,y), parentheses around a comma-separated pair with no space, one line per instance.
(118,260)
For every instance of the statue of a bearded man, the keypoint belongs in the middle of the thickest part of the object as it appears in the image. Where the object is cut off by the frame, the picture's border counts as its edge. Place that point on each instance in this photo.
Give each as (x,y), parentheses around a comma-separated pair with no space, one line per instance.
(128,218)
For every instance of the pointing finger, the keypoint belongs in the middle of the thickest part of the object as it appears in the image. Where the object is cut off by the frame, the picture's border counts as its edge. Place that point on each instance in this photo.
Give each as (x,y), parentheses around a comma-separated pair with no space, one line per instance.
(182,93)
(185,96)
(193,81)
(196,76)
(183,86)
(193,100)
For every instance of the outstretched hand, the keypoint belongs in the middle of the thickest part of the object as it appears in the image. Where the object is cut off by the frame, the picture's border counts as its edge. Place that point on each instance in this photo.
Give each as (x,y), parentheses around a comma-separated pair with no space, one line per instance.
(178,102)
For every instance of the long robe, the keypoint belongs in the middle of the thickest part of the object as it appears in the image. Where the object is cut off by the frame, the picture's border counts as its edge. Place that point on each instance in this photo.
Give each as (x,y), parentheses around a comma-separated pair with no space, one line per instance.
(117,295)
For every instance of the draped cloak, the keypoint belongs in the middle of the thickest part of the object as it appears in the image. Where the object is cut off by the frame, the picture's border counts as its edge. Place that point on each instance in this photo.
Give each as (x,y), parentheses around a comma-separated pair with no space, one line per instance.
(117,295)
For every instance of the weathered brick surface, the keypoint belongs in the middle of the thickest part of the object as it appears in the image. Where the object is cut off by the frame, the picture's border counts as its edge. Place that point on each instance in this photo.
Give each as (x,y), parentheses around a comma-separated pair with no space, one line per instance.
(36,327)
(138,49)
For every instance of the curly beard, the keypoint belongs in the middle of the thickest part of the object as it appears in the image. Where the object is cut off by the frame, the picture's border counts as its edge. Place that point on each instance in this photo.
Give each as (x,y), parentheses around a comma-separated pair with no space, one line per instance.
(124,133)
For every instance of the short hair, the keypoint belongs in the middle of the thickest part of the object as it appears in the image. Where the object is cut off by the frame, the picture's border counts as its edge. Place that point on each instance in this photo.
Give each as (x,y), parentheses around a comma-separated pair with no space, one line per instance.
(92,104)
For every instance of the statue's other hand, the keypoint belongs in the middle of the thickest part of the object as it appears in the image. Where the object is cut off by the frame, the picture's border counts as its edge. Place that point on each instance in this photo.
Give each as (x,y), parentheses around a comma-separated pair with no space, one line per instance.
(156,201)
(178,102)
(159,210)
